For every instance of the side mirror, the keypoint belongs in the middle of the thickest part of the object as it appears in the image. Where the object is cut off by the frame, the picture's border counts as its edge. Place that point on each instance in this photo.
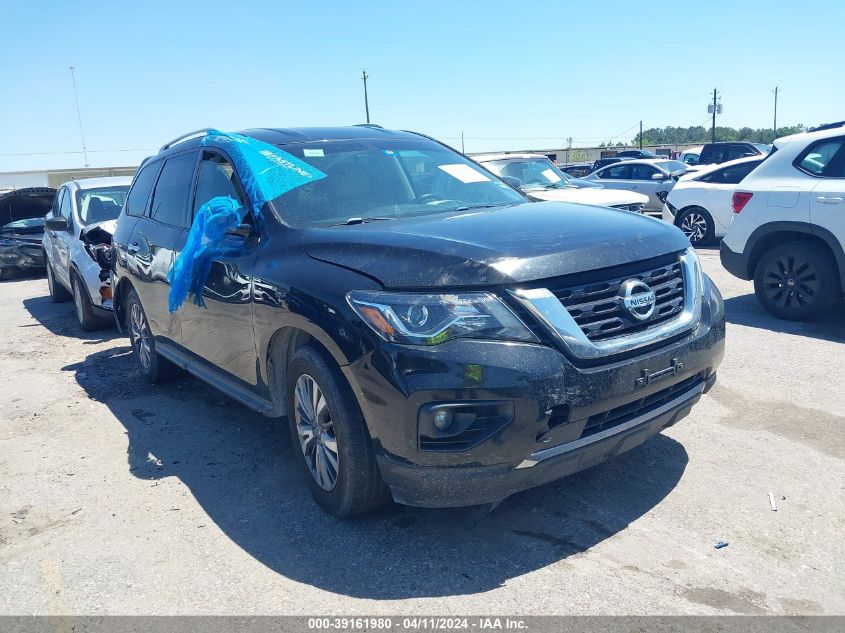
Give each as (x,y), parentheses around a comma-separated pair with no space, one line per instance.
(56,224)
(659,176)
(242,230)
(516,183)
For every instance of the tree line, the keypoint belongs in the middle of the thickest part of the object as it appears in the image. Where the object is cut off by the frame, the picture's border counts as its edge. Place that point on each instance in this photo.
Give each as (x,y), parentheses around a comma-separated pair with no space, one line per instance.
(698,135)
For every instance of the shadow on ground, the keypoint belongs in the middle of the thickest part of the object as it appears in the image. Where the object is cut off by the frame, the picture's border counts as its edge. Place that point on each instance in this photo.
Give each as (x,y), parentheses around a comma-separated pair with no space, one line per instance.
(60,319)
(746,310)
(240,468)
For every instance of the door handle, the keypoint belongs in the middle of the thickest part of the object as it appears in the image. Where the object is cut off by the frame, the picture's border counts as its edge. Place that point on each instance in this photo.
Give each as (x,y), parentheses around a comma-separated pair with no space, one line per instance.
(833,200)
(133,247)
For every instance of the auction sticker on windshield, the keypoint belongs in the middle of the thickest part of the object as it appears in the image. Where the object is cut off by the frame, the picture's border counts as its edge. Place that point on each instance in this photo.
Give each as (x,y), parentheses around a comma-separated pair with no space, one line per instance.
(550,175)
(464,173)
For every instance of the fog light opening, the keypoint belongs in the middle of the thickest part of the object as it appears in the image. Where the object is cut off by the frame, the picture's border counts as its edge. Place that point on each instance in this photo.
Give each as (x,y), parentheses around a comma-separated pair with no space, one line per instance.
(442,419)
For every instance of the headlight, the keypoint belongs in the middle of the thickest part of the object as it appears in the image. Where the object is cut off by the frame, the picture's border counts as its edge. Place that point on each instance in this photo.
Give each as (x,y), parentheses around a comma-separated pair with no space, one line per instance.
(429,319)
(697,271)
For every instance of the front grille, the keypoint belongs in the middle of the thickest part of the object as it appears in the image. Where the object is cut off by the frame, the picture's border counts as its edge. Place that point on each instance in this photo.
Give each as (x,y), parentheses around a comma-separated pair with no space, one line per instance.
(597,309)
(621,414)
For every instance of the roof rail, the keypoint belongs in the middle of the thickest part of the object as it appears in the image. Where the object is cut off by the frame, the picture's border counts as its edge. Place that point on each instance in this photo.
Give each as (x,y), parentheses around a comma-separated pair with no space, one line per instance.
(827,126)
(374,125)
(185,137)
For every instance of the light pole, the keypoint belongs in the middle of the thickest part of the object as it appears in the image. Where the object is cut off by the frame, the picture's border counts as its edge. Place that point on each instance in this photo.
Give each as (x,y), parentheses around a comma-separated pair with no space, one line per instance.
(775,124)
(365,76)
(79,116)
(715,108)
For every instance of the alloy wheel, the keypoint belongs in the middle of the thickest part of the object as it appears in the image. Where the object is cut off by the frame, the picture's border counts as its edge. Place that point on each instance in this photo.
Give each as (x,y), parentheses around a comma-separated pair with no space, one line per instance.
(140,335)
(790,281)
(694,226)
(315,429)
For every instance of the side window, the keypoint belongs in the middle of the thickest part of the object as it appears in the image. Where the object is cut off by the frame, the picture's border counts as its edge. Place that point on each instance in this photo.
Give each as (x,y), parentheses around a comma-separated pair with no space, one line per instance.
(617,172)
(64,207)
(818,159)
(739,151)
(642,172)
(733,175)
(216,178)
(170,197)
(57,203)
(136,203)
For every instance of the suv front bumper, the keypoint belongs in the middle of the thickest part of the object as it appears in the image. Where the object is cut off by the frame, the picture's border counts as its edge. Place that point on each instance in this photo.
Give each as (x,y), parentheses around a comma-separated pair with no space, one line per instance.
(553,399)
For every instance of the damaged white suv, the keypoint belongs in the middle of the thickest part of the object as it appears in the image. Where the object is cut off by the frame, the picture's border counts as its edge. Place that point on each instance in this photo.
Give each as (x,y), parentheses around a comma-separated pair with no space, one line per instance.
(77,245)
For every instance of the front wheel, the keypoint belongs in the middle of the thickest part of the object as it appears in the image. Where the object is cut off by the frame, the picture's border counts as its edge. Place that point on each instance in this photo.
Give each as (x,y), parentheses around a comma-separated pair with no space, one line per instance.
(795,281)
(330,437)
(697,224)
(88,320)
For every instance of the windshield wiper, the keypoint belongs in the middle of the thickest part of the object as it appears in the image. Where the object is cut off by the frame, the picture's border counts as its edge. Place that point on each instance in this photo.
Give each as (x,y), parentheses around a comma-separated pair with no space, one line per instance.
(478,206)
(361,220)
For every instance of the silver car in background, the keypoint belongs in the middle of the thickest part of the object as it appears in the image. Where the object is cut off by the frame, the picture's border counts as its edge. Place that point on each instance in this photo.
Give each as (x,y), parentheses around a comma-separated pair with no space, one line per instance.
(646,176)
(83,207)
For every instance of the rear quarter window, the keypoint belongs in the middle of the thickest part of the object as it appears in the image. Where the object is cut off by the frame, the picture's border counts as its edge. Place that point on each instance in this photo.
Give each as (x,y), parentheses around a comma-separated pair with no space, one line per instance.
(142,186)
(823,158)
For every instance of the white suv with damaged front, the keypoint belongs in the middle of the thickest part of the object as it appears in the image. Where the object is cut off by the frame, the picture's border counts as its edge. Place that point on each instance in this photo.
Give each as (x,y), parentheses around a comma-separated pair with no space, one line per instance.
(788,227)
(77,246)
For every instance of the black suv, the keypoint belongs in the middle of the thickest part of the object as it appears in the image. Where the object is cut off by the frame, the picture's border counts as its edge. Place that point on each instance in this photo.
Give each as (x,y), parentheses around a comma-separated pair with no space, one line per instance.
(723,152)
(428,331)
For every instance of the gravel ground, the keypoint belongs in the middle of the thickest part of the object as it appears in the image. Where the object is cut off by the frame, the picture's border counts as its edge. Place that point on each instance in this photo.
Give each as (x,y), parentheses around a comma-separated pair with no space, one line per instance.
(119,497)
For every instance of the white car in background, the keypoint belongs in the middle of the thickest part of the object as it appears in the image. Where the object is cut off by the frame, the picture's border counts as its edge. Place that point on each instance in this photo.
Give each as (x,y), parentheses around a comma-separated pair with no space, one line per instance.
(540,179)
(646,176)
(700,204)
(83,207)
(690,156)
(788,229)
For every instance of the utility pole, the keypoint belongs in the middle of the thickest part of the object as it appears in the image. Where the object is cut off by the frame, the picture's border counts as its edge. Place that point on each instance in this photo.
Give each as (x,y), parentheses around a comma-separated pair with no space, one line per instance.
(775,125)
(641,134)
(713,129)
(463,151)
(79,117)
(365,76)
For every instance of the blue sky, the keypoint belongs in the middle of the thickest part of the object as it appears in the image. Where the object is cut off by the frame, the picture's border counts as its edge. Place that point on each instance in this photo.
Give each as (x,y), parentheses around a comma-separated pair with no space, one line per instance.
(508,75)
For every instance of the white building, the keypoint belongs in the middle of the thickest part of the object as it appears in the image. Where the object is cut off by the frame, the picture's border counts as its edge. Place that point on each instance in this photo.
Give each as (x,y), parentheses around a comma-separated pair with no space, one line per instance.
(55,177)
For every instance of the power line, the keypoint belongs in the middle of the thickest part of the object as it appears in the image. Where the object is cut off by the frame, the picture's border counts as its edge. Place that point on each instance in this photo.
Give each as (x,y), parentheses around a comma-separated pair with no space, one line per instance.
(87,151)
(78,115)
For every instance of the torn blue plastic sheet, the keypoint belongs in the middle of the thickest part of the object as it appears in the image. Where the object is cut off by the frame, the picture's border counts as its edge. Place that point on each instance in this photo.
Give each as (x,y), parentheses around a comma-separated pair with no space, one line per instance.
(266,172)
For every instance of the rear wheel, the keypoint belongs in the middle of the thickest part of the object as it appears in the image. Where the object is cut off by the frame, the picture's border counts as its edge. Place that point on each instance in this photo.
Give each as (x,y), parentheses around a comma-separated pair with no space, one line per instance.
(697,224)
(88,319)
(330,437)
(58,294)
(153,367)
(795,281)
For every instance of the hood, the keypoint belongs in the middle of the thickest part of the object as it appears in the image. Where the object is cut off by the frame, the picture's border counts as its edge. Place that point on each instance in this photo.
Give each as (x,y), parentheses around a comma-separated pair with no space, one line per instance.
(601,197)
(513,244)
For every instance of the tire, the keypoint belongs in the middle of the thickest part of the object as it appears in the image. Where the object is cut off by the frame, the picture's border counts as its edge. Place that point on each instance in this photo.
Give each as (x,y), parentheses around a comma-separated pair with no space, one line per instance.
(795,281)
(151,365)
(697,224)
(58,293)
(89,321)
(350,482)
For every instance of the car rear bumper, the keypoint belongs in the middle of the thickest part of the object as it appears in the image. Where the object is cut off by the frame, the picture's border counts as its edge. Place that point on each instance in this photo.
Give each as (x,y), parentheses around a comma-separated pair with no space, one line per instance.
(735,263)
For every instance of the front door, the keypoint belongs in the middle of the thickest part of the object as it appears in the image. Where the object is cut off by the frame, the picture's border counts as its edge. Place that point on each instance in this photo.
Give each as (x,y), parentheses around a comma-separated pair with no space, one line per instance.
(221,331)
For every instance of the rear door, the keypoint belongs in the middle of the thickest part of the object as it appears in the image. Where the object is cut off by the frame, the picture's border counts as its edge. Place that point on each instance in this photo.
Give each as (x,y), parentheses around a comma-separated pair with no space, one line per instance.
(155,241)
(825,160)
(717,197)
(617,176)
(222,331)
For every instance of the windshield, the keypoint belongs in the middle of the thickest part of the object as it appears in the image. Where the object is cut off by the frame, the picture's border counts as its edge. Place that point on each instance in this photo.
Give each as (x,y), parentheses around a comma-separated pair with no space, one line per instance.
(99,205)
(535,173)
(672,165)
(386,179)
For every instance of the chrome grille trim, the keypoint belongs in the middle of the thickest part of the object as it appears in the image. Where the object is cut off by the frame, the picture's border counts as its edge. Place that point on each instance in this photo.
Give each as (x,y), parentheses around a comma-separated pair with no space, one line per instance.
(551,313)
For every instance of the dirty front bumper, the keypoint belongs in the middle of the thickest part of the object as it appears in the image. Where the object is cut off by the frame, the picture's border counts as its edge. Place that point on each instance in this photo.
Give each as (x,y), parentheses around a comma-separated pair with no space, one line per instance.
(20,254)
(535,415)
